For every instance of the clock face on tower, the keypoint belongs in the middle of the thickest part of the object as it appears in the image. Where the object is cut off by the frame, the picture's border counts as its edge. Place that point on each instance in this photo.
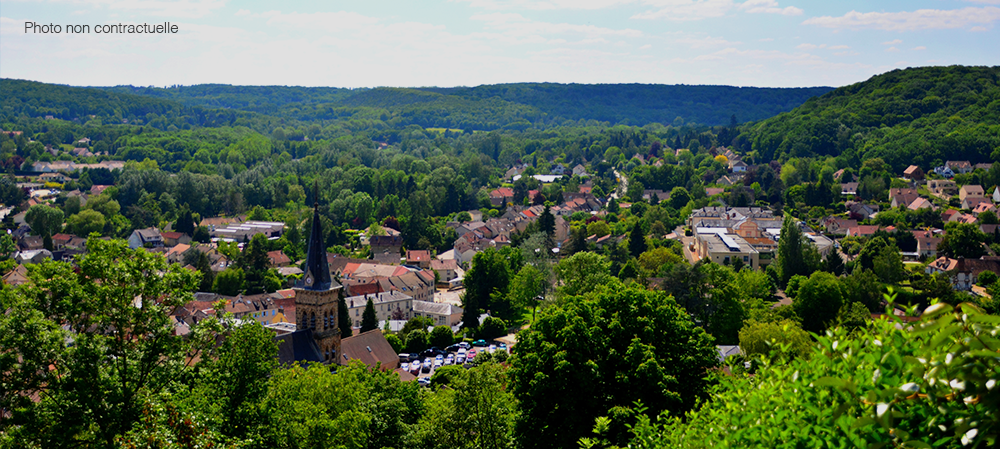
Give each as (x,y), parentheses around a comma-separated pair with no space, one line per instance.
(309,280)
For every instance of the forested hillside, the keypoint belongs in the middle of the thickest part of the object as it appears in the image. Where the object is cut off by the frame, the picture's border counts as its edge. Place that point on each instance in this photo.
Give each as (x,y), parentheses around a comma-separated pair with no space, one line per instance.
(638,104)
(920,116)
(489,107)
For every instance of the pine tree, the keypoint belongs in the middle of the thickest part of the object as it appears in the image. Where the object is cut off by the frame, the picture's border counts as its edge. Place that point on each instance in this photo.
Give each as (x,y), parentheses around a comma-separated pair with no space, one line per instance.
(343,316)
(636,241)
(368,319)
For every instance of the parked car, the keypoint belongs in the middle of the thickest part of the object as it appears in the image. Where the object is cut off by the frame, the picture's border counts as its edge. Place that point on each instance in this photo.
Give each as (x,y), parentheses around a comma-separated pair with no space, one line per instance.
(428,364)
(432,352)
(479,343)
(404,357)
(424,381)
(471,355)
(450,360)
(455,347)
(503,347)
(415,368)
(405,366)
(492,349)
(460,357)
(438,363)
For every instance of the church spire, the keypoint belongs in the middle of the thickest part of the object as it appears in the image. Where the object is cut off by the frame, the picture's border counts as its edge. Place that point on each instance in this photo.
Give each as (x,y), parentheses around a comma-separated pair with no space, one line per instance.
(317,275)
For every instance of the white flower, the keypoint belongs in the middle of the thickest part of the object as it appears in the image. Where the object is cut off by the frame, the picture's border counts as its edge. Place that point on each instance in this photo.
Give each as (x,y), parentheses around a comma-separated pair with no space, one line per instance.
(910,387)
(876,375)
(969,436)
(990,384)
(835,345)
(881,409)
(948,358)
(878,343)
(957,384)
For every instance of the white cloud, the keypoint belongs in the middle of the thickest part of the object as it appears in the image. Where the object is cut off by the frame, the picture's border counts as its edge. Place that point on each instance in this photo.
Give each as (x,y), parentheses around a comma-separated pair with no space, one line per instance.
(891,49)
(158,8)
(923,19)
(705,42)
(838,47)
(988,2)
(685,10)
(646,47)
(543,5)
(919,48)
(893,42)
(769,7)
(809,46)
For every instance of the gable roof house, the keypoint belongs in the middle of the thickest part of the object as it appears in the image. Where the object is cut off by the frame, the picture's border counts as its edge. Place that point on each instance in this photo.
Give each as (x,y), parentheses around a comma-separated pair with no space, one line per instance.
(974,202)
(371,348)
(942,187)
(145,238)
(970,190)
(959,166)
(913,173)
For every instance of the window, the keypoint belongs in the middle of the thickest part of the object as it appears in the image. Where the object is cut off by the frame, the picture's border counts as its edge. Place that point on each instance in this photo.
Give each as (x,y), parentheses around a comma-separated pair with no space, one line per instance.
(746,258)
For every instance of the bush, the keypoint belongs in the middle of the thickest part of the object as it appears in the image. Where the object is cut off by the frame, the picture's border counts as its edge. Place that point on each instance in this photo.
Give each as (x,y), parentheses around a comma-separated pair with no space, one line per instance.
(416,341)
(491,328)
(441,337)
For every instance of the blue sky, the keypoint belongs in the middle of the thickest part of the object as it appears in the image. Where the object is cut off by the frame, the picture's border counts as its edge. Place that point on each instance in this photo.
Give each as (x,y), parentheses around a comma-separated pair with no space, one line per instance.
(768,43)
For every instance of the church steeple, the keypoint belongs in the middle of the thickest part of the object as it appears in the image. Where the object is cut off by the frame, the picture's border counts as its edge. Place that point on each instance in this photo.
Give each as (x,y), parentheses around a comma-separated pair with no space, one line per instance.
(317,275)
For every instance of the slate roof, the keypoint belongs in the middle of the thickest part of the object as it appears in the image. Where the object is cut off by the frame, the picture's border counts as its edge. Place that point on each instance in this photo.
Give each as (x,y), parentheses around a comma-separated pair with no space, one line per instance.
(298,347)
(371,348)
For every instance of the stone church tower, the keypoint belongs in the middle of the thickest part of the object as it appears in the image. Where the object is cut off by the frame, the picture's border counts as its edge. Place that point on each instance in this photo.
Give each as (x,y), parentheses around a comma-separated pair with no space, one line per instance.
(316,297)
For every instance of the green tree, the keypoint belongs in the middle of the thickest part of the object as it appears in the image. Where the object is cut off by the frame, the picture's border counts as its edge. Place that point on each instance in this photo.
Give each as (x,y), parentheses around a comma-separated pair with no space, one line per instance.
(814,401)
(888,265)
(581,273)
(637,241)
(441,336)
(228,282)
(92,384)
(527,285)
(625,342)
(476,411)
(679,197)
(818,300)
(416,341)
(343,316)
(369,321)
(395,342)
(796,254)
(763,338)
(488,279)
(962,240)
(491,328)
(238,378)
(86,222)
(834,263)
(44,220)
(7,246)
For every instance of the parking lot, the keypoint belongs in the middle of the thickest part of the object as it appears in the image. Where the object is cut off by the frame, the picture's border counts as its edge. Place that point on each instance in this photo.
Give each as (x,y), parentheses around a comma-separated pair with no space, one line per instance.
(424,365)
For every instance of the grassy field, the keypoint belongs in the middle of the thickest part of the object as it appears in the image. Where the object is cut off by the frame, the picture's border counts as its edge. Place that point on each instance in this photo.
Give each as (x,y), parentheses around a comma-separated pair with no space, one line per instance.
(442,130)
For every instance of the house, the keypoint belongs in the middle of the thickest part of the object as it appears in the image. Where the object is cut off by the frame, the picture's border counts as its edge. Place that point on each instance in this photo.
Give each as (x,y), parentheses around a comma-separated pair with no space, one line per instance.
(738,166)
(942,187)
(987,166)
(17,276)
(243,232)
(97,189)
(921,203)
(443,314)
(32,256)
(964,272)
(963,218)
(959,167)
(501,196)
(418,257)
(970,190)
(176,253)
(278,259)
(371,348)
(175,238)
(972,202)
(660,195)
(984,206)
(58,178)
(30,242)
(913,173)
(386,249)
(861,211)
(996,194)
(849,188)
(908,194)
(446,269)
(145,238)
(862,231)
(393,305)
(837,225)
(927,245)
(60,240)
(712,191)
(945,171)
(579,170)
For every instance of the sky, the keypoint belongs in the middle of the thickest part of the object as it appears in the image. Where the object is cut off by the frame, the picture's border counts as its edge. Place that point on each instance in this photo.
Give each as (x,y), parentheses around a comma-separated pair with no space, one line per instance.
(764,43)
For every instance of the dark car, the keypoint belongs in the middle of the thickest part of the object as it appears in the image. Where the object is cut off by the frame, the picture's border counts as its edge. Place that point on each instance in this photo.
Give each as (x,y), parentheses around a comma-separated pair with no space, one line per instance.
(455,347)
(481,343)
(432,352)
(404,357)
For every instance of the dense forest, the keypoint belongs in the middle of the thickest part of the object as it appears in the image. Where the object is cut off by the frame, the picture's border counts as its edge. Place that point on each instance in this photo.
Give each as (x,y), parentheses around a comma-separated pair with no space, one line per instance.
(631,323)
(917,116)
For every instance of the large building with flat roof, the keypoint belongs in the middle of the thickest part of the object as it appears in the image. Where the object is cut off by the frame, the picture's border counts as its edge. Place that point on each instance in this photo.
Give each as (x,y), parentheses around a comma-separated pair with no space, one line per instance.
(725,234)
